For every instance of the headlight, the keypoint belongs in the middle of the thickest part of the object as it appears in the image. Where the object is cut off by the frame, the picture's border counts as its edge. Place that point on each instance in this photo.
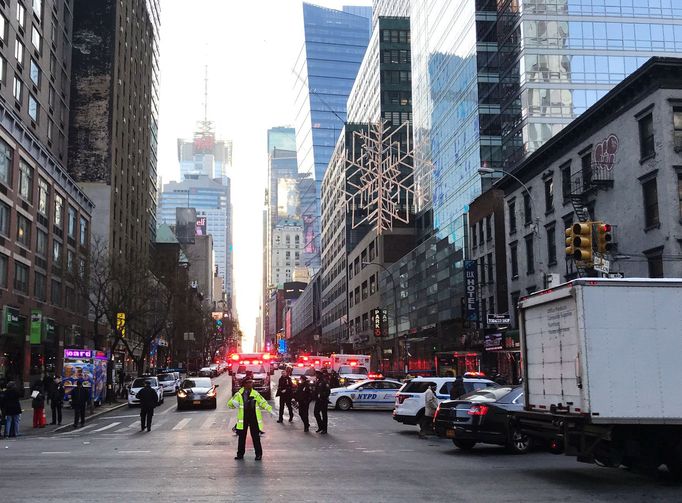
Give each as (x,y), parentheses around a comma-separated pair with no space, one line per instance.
(182,394)
(132,393)
(211,393)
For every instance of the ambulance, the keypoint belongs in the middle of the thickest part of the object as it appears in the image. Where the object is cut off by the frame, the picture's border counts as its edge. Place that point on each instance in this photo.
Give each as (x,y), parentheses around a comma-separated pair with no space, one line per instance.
(258,365)
(351,368)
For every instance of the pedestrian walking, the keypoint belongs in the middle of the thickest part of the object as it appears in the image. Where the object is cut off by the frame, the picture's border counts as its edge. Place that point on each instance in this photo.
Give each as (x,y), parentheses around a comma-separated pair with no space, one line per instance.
(285,391)
(80,397)
(322,391)
(148,401)
(457,389)
(12,410)
(38,405)
(3,387)
(56,399)
(304,395)
(430,406)
(249,404)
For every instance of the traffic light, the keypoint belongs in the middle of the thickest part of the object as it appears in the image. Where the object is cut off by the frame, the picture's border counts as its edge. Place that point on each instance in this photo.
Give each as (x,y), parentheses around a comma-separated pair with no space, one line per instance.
(219,326)
(570,249)
(582,242)
(604,238)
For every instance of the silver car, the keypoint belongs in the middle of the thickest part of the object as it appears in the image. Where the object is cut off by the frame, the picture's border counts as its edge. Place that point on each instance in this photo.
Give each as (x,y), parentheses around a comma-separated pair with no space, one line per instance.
(169,382)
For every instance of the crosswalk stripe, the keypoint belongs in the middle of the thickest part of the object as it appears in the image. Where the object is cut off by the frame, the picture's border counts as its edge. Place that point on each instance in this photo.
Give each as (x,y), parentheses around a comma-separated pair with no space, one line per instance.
(106,427)
(182,423)
(121,430)
(207,424)
(79,429)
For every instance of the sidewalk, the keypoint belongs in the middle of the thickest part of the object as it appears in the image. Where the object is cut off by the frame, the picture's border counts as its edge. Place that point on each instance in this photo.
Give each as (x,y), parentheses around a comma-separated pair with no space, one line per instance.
(26,425)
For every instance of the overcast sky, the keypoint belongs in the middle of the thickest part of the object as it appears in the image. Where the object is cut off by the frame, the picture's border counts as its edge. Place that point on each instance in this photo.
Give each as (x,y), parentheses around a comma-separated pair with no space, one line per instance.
(250,48)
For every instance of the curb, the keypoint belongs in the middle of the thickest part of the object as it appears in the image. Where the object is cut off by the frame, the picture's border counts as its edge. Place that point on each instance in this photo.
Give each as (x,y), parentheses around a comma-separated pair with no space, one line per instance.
(96,414)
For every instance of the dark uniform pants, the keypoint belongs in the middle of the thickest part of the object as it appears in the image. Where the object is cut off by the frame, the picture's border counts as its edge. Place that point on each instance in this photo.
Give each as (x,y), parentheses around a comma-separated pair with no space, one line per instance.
(285,400)
(146,415)
(255,437)
(79,415)
(56,412)
(321,414)
(303,408)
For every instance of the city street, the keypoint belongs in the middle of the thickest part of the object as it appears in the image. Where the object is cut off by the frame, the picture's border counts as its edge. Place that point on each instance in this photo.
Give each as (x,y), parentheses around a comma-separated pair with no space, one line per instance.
(188,456)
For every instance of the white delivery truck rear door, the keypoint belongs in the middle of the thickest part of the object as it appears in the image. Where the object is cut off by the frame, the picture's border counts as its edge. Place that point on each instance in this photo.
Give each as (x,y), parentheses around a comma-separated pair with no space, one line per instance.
(551,348)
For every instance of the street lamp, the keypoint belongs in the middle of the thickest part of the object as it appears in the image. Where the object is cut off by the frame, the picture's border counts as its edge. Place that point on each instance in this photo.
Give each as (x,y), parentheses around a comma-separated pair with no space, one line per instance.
(395,309)
(490,171)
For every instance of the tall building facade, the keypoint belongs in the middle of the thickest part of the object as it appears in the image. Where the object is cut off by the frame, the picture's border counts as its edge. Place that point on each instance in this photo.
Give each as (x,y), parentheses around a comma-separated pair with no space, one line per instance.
(516,73)
(333,48)
(205,155)
(210,197)
(114,110)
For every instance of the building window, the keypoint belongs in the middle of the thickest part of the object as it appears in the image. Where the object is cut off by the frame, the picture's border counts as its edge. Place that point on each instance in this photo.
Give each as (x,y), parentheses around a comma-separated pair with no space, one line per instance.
(58,210)
(20,278)
(19,52)
(514,259)
(56,293)
(364,290)
(23,231)
(677,128)
(481,266)
(586,170)
(549,195)
(33,108)
(650,203)
(481,236)
(350,270)
(3,27)
(21,15)
(566,182)
(491,268)
(530,258)
(372,284)
(70,261)
(83,235)
(26,181)
(43,197)
(646,136)
(40,287)
(5,215)
(679,192)
(41,243)
(551,245)
(3,69)
(17,89)
(488,227)
(38,8)
(511,208)
(56,254)
(527,209)
(36,39)
(35,72)
(655,264)
(350,299)
(474,243)
(3,270)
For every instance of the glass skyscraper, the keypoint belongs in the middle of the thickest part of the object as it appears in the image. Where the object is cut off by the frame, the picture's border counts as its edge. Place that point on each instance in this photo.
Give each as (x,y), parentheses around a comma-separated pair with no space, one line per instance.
(334,44)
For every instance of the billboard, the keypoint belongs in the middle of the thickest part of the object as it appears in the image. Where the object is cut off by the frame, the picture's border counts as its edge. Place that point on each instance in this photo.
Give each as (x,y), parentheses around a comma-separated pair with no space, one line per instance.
(200,227)
(204,143)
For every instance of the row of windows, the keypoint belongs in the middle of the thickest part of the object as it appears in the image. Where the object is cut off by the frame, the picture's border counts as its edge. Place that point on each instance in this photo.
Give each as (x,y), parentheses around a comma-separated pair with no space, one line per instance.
(396,36)
(361,293)
(482,232)
(396,56)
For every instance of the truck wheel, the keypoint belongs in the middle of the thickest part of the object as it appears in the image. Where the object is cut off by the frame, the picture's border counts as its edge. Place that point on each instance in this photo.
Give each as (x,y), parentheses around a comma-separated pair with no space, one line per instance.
(465,445)
(344,403)
(519,443)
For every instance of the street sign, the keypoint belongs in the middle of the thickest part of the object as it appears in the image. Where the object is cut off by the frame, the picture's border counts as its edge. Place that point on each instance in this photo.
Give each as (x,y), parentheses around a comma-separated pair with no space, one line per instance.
(617,275)
(601,264)
(499,319)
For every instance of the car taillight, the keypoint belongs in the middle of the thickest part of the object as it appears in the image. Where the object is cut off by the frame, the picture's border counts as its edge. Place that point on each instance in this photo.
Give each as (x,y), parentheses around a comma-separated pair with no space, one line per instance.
(478,410)
(401,398)
(435,414)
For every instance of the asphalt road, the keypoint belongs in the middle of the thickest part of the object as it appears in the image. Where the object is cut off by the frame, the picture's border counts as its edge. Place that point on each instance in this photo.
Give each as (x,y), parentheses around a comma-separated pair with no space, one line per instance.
(188,456)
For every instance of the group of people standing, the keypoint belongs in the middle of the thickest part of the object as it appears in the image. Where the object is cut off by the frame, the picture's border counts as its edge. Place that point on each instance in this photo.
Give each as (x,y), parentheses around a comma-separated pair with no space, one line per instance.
(303,394)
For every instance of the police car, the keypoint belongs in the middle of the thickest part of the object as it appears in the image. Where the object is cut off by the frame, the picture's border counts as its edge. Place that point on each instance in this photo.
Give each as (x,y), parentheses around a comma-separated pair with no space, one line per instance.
(369,394)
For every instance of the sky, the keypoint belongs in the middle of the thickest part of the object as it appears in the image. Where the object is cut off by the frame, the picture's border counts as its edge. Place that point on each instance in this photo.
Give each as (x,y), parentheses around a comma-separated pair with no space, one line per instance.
(250,48)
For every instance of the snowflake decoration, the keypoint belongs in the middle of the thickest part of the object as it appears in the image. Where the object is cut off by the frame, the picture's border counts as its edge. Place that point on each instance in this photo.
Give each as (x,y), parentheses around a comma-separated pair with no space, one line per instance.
(380,179)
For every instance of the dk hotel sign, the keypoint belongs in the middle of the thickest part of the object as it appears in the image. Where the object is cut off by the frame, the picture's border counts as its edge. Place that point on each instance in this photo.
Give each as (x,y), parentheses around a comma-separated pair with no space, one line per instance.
(471,297)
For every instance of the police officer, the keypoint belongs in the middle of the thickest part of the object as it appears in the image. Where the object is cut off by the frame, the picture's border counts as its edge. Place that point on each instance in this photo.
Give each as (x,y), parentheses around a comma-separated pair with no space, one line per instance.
(304,395)
(322,391)
(285,391)
(148,400)
(80,397)
(249,403)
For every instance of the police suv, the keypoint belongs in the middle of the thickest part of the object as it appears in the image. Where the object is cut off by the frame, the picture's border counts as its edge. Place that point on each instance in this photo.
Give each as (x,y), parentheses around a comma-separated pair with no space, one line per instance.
(410,402)
(371,394)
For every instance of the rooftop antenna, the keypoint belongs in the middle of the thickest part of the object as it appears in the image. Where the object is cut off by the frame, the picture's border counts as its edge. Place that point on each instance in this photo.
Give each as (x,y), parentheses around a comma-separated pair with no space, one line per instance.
(205,125)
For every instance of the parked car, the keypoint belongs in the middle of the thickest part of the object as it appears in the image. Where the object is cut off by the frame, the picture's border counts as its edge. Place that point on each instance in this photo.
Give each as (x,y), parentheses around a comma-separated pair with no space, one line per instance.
(371,394)
(215,369)
(483,416)
(205,372)
(409,401)
(197,392)
(138,384)
(169,382)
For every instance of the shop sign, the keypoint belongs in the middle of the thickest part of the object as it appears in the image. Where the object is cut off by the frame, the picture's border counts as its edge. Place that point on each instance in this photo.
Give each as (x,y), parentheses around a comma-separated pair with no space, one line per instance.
(512,340)
(379,322)
(499,319)
(78,353)
(11,321)
(470,283)
(36,326)
(493,342)
(121,324)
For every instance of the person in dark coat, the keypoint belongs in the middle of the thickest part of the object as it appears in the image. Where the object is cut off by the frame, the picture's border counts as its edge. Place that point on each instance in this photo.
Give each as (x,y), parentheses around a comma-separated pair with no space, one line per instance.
(304,395)
(322,391)
(334,380)
(285,391)
(80,397)
(148,400)
(457,388)
(12,410)
(56,399)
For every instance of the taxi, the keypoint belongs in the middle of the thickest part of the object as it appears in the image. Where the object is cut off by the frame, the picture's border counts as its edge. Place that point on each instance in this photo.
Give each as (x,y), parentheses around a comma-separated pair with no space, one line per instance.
(368,394)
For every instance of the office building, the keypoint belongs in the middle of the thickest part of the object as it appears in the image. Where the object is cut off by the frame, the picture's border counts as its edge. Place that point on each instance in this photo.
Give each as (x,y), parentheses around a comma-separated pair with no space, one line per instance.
(333,47)
(114,108)
(205,155)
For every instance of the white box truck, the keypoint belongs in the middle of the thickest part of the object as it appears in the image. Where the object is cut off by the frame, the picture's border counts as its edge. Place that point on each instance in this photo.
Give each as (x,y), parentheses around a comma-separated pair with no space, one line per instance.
(602,362)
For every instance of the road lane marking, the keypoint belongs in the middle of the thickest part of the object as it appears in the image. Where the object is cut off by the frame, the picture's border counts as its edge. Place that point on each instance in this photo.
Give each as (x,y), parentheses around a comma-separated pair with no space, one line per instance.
(207,424)
(78,430)
(56,452)
(106,427)
(121,430)
(123,417)
(133,452)
(182,423)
